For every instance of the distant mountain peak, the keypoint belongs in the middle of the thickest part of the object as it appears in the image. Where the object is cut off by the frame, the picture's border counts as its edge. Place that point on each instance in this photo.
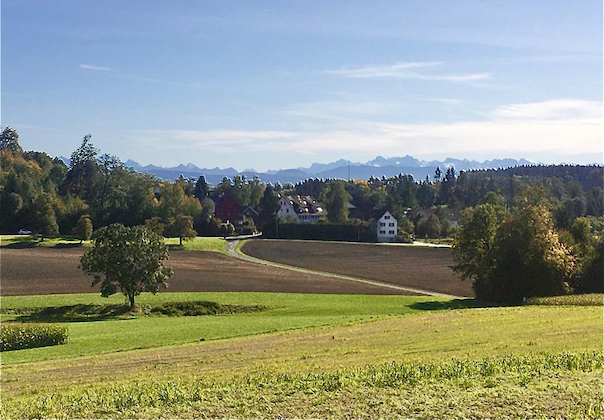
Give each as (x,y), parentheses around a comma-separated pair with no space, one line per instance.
(378,167)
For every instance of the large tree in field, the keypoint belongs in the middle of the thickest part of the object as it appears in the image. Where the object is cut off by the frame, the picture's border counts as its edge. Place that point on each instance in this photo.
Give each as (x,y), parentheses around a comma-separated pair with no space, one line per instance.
(127,260)
(474,241)
(336,199)
(528,259)
(522,257)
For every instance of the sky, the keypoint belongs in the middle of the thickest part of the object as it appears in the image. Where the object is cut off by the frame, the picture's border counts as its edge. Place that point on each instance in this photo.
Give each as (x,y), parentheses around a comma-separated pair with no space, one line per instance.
(283,84)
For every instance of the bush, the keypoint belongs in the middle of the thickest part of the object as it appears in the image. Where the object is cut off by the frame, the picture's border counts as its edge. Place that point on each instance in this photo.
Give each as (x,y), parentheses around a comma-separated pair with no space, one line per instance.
(404,238)
(29,336)
(588,299)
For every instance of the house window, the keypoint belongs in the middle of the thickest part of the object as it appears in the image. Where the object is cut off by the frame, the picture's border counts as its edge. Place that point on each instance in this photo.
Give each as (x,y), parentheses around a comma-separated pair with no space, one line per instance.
(287,210)
(391,224)
(391,232)
(382,232)
(386,217)
(382,224)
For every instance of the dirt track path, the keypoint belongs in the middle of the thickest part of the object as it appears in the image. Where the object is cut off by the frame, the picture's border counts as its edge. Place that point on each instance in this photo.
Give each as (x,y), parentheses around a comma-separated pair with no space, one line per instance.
(231,249)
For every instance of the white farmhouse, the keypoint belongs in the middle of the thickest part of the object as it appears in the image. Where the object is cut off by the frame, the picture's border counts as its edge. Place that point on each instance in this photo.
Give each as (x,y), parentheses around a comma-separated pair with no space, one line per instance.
(386,228)
(304,209)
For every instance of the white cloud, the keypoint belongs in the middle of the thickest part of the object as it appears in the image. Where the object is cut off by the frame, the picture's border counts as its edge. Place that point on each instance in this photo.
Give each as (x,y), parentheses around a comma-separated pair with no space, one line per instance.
(509,131)
(552,110)
(95,68)
(407,70)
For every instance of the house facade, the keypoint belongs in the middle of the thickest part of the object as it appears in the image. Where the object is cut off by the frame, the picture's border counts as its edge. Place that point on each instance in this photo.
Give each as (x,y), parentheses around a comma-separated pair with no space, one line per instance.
(304,209)
(386,228)
(228,210)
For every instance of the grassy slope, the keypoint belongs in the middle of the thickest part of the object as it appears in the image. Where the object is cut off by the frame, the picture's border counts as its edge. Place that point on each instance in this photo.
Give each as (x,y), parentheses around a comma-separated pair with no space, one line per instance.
(440,335)
(195,244)
(291,311)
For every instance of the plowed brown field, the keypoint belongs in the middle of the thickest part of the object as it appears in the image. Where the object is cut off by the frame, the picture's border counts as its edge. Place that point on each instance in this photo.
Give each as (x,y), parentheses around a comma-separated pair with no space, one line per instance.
(34,271)
(418,267)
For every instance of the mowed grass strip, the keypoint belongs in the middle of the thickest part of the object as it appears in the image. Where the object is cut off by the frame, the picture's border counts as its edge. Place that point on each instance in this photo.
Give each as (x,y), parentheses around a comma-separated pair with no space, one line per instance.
(531,386)
(210,244)
(426,336)
(289,311)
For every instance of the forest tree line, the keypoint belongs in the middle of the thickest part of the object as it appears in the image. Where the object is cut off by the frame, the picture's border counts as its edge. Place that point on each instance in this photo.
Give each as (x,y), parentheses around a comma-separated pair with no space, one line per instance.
(43,194)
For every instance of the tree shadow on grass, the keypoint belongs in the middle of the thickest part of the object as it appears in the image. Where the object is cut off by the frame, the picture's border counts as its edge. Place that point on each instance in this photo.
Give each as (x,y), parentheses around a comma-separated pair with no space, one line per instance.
(175,247)
(74,313)
(22,244)
(68,245)
(452,304)
(91,312)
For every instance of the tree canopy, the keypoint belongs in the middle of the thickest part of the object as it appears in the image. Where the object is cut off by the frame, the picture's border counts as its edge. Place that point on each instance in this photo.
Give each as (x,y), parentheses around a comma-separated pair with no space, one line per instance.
(127,260)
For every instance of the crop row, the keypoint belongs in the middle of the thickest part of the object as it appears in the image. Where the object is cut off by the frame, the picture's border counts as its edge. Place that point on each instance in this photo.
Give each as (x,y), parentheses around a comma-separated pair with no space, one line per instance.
(156,397)
(15,336)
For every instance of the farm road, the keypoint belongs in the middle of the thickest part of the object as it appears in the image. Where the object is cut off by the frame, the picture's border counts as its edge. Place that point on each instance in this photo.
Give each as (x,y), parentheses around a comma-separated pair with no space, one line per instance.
(231,249)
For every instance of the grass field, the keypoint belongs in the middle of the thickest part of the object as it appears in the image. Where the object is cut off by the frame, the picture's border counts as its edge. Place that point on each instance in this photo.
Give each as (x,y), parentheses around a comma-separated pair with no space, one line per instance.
(533,386)
(338,344)
(25,241)
(290,311)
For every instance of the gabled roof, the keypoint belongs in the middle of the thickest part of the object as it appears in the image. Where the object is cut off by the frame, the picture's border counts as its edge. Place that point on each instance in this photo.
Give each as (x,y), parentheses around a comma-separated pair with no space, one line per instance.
(304,204)
(249,210)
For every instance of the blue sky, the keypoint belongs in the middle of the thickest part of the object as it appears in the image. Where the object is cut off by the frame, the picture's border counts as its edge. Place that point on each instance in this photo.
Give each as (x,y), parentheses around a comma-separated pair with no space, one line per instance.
(279,84)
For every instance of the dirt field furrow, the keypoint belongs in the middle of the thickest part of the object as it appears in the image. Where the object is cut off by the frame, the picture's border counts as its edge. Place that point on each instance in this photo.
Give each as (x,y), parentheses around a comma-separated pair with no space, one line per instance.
(35,271)
(418,267)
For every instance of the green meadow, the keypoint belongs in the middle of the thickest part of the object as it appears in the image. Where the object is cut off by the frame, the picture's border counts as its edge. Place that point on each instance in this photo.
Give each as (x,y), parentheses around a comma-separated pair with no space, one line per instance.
(311,355)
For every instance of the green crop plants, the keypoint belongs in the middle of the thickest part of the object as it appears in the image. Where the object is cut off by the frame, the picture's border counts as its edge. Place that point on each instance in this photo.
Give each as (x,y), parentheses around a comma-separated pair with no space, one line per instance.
(340,392)
(15,336)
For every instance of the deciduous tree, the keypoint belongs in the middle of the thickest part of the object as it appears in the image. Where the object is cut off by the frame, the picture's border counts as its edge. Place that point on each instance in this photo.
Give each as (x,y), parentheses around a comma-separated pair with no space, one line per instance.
(336,199)
(182,227)
(127,260)
(83,229)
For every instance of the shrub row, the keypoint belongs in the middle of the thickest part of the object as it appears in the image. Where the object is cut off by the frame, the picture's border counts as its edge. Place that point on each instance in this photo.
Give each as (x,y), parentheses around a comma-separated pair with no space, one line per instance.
(351,232)
(591,299)
(26,336)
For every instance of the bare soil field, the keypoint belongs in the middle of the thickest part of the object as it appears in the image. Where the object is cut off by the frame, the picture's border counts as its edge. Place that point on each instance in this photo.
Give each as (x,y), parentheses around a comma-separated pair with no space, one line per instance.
(34,271)
(418,267)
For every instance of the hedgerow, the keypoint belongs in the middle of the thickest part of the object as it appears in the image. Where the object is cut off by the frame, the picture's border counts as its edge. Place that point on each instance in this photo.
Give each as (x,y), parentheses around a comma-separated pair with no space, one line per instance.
(15,336)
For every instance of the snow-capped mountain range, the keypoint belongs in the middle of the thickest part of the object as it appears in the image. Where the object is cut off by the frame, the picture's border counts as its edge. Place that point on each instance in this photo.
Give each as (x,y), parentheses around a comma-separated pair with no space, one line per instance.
(378,167)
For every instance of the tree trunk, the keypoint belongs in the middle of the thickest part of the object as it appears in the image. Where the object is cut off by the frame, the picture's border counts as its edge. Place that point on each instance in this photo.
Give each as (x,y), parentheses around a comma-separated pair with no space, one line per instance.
(180,238)
(131,299)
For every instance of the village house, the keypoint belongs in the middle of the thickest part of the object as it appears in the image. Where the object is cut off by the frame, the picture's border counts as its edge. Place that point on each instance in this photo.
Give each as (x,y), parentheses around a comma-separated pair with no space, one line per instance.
(451,214)
(386,228)
(228,210)
(303,209)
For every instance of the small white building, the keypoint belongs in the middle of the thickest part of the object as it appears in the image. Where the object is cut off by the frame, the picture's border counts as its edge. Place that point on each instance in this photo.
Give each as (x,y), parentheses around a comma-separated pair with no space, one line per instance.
(386,228)
(304,209)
